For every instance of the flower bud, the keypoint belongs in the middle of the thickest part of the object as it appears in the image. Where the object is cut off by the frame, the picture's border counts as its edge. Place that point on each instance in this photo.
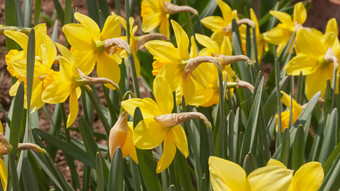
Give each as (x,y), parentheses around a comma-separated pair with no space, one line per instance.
(118,134)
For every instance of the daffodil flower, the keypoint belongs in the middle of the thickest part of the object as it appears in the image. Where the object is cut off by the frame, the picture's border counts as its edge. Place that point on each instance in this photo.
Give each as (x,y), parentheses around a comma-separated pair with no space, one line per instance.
(121,135)
(315,59)
(219,24)
(156,13)
(170,63)
(285,116)
(159,121)
(45,54)
(92,46)
(281,34)
(213,47)
(227,175)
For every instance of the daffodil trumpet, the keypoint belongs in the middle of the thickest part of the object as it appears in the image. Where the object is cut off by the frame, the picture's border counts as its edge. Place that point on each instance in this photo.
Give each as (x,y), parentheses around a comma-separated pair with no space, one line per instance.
(249,22)
(173,9)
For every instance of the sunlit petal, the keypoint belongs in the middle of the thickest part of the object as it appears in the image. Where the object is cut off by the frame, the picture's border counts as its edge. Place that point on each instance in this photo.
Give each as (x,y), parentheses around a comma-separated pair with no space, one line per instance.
(148,107)
(309,177)
(73,104)
(163,95)
(180,140)
(169,152)
(107,67)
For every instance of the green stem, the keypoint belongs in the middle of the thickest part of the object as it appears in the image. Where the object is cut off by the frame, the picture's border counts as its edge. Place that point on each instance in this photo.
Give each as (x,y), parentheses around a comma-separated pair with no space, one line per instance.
(222,115)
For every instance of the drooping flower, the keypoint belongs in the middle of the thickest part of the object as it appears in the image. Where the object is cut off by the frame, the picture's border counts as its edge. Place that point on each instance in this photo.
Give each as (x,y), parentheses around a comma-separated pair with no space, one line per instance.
(92,46)
(45,54)
(314,59)
(159,125)
(281,34)
(285,116)
(227,175)
(121,135)
(156,13)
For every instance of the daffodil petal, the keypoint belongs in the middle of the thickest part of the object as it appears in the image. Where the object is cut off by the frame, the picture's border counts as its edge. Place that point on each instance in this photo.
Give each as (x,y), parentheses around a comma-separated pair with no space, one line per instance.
(300,13)
(182,40)
(18,37)
(193,47)
(254,18)
(277,35)
(226,46)
(180,140)
(207,42)
(14,88)
(57,92)
(148,107)
(89,23)
(173,74)
(84,60)
(65,52)
(79,36)
(226,11)
(65,69)
(111,28)
(163,95)
(283,17)
(328,40)
(309,44)
(164,27)
(317,81)
(73,104)
(151,22)
(165,50)
(108,68)
(214,23)
(270,178)
(301,64)
(169,152)
(309,177)
(129,146)
(332,26)
(227,174)
(273,162)
(148,134)
(285,99)
(3,174)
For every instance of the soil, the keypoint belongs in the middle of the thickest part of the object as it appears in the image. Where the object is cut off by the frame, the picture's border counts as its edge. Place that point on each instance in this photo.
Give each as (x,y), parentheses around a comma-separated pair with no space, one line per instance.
(318,15)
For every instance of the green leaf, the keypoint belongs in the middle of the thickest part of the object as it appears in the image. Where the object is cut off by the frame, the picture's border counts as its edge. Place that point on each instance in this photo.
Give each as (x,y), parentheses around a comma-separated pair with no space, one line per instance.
(10,20)
(28,174)
(68,13)
(248,144)
(68,148)
(17,117)
(331,181)
(209,9)
(37,11)
(27,12)
(249,163)
(30,66)
(88,138)
(116,175)
(60,11)
(182,171)
(330,133)
(284,158)
(20,15)
(298,151)
(93,10)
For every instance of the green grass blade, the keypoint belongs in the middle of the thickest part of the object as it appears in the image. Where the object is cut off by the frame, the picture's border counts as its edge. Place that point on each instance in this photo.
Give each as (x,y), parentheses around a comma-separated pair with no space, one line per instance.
(60,11)
(10,20)
(249,163)
(27,12)
(88,138)
(93,10)
(28,175)
(37,11)
(284,158)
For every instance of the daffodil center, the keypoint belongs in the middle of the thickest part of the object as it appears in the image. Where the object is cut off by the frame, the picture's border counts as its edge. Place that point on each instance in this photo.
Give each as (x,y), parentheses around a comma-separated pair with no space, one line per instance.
(100,46)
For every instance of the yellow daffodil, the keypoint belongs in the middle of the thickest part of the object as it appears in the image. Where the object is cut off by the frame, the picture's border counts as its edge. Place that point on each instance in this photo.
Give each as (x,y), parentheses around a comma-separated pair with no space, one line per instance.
(227,175)
(121,135)
(315,59)
(92,46)
(213,47)
(151,132)
(3,169)
(156,13)
(219,24)
(281,34)
(170,62)
(285,116)
(45,53)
